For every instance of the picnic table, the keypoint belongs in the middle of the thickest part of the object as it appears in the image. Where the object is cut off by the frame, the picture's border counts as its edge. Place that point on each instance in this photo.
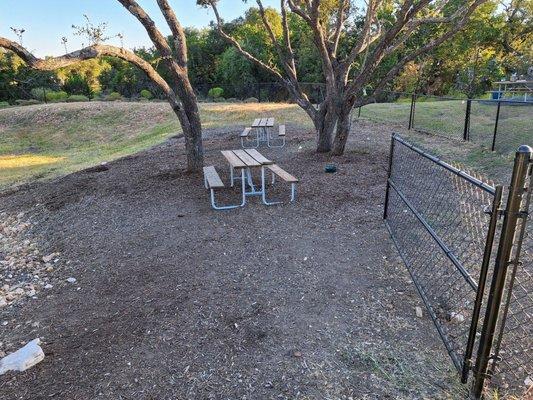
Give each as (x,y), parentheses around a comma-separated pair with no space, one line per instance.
(262,128)
(246,161)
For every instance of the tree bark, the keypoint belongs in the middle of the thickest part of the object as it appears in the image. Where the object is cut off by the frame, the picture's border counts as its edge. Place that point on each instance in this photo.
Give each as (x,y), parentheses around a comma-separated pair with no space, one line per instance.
(324,122)
(192,130)
(344,124)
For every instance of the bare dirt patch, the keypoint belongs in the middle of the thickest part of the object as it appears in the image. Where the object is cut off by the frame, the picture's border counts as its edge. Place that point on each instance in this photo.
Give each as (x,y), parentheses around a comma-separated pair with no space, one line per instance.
(176,301)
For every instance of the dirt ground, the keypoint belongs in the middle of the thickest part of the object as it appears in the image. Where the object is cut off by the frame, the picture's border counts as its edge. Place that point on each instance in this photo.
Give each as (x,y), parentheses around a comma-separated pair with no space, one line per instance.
(173,300)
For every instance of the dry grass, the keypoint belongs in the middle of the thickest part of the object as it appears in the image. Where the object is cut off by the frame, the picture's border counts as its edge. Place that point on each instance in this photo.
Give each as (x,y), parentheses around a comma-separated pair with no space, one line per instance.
(48,140)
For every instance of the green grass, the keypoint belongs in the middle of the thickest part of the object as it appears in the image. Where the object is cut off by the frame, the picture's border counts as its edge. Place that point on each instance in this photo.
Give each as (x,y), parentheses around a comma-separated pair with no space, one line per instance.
(44,141)
(447,118)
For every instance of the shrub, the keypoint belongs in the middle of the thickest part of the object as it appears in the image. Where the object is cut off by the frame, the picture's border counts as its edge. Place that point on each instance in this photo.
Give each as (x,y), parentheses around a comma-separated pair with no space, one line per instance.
(4,104)
(251,100)
(56,96)
(232,100)
(215,93)
(219,100)
(146,94)
(113,96)
(77,84)
(77,97)
(29,102)
(39,93)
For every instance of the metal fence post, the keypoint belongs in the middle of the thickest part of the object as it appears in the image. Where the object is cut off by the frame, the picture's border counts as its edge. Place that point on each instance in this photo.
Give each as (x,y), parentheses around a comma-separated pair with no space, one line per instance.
(389,172)
(503,259)
(412,111)
(466,130)
(487,252)
(496,126)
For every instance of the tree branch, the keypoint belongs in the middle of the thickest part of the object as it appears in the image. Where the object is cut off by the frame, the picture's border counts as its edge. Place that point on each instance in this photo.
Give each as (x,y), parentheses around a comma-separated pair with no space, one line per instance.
(180,42)
(87,53)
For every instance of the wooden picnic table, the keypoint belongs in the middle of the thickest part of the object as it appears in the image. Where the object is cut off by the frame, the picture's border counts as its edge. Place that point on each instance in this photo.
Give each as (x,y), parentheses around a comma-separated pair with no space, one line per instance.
(246,160)
(262,129)
(263,122)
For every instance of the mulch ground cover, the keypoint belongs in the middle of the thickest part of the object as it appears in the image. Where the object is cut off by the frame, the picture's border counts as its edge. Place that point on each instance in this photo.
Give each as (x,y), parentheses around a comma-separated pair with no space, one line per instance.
(173,300)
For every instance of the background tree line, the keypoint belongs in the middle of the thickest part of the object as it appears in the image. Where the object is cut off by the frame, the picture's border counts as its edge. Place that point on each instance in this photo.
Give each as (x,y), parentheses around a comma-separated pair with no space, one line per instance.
(495,44)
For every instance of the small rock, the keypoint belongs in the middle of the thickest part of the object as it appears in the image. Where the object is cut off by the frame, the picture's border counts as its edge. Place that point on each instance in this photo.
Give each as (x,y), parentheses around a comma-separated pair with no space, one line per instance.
(3,302)
(418,311)
(457,318)
(297,354)
(48,286)
(48,258)
(528,382)
(24,358)
(71,280)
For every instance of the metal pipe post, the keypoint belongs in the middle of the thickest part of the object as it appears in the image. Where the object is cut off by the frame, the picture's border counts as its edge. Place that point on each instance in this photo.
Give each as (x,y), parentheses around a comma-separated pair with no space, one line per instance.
(503,259)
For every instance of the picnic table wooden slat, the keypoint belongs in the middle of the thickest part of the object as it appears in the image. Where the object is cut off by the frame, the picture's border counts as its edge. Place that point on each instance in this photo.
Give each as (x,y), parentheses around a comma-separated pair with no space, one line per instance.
(256,122)
(246,158)
(282,173)
(270,122)
(233,160)
(246,132)
(259,157)
(213,180)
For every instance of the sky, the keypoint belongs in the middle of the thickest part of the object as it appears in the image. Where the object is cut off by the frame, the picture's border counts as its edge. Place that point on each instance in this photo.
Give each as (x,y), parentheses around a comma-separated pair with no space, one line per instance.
(47,21)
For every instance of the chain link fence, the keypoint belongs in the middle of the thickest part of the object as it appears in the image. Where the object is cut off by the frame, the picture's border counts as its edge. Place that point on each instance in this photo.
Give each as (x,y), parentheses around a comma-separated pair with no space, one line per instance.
(499,125)
(437,217)
(512,363)
(447,225)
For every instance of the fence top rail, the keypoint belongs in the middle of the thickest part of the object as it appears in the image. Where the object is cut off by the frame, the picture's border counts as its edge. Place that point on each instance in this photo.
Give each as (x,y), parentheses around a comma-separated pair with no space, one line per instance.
(474,181)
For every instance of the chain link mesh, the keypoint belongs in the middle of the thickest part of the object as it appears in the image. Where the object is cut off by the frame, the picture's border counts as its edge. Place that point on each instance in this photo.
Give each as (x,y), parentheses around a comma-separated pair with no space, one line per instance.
(438,219)
(513,373)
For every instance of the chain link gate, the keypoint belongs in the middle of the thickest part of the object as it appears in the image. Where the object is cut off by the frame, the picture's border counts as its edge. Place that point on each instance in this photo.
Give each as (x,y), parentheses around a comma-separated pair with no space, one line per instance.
(444,223)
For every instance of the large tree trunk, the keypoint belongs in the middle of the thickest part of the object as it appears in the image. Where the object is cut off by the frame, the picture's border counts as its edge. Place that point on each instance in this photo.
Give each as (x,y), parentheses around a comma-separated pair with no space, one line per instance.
(324,122)
(189,116)
(344,124)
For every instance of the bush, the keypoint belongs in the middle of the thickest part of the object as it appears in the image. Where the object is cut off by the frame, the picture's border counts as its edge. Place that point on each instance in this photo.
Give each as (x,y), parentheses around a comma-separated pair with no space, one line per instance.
(113,96)
(4,104)
(232,100)
(77,97)
(219,100)
(39,93)
(56,96)
(77,84)
(215,93)
(251,100)
(146,94)
(30,102)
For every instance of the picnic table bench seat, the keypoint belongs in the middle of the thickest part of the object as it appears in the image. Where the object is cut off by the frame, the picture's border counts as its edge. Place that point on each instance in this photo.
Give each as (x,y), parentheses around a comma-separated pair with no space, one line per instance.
(212,181)
(276,169)
(285,176)
(246,132)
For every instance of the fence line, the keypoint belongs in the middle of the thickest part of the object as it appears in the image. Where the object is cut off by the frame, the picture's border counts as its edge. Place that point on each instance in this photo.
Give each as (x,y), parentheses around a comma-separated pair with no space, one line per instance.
(497,124)
(444,223)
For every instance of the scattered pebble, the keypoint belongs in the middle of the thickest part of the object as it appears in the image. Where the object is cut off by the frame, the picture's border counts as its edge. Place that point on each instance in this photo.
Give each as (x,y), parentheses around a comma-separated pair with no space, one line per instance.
(23,269)
(418,311)
(71,280)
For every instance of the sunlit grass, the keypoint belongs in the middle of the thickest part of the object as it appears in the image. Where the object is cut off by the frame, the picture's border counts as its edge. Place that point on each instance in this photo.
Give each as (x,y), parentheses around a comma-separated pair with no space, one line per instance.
(26,160)
(44,141)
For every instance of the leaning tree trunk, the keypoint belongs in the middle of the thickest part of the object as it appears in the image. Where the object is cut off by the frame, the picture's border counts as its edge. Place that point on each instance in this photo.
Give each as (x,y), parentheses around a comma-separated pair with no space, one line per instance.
(189,115)
(344,124)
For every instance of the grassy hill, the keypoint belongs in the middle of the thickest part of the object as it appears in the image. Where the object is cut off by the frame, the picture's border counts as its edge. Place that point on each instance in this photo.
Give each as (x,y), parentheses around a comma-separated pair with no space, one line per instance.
(47,140)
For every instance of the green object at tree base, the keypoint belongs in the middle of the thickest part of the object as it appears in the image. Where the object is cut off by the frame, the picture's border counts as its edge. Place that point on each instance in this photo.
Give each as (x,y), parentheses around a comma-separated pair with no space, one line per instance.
(330,168)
